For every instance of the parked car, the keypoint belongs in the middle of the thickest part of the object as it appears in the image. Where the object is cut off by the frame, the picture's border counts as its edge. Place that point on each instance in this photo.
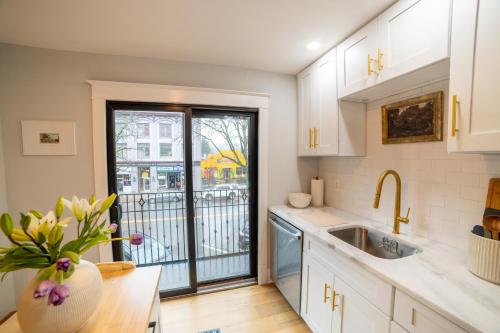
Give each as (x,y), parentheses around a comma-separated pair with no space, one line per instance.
(151,251)
(244,238)
(229,191)
(165,197)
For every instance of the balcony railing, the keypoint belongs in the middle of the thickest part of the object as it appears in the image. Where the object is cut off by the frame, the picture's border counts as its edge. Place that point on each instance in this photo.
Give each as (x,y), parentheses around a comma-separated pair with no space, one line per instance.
(221,220)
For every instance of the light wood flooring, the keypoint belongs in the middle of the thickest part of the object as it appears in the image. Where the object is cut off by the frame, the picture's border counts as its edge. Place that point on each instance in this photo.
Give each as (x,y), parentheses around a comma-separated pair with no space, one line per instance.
(250,309)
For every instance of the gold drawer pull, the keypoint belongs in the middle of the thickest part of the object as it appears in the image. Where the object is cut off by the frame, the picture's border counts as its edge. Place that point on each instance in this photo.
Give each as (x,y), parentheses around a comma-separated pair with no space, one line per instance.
(325,292)
(310,137)
(454,129)
(370,70)
(379,60)
(334,297)
(315,137)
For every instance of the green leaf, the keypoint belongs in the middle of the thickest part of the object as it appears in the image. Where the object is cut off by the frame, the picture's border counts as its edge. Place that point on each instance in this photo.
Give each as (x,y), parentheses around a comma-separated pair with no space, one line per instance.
(74,257)
(46,273)
(70,272)
(41,238)
(6,224)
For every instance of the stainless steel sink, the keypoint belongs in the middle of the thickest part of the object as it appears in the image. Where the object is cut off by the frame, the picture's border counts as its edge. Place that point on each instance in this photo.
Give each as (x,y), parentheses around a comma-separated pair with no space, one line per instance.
(376,243)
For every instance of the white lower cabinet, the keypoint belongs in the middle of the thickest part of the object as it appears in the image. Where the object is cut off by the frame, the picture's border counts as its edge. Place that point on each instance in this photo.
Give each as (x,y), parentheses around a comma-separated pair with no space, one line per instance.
(339,296)
(354,314)
(417,318)
(317,281)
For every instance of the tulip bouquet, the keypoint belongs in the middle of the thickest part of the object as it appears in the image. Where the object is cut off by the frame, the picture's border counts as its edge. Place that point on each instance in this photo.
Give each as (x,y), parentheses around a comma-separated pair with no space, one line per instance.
(38,243)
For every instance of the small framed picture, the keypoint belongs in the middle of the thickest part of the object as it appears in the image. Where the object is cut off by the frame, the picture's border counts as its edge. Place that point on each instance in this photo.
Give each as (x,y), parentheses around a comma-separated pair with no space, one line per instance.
(418,119)
(48,137)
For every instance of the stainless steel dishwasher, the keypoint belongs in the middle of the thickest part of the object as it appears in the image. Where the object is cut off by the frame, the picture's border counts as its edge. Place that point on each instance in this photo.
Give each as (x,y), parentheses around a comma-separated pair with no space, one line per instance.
(286,259)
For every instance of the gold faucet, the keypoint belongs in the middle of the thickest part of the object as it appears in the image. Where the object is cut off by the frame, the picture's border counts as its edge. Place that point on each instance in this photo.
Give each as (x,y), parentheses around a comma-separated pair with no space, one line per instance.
(397,205)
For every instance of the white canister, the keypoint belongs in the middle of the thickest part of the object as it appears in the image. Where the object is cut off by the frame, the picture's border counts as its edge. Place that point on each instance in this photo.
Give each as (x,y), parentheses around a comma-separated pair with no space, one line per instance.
(317,192)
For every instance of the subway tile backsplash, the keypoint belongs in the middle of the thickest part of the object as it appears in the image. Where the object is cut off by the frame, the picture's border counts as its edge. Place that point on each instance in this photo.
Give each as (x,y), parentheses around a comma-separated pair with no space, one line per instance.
(446,192)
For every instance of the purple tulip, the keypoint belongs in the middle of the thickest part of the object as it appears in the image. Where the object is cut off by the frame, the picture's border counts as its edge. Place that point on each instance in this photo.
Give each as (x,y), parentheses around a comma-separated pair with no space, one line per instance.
(58,295)
(63,264)
(136,239)
(113,227)
(44,288)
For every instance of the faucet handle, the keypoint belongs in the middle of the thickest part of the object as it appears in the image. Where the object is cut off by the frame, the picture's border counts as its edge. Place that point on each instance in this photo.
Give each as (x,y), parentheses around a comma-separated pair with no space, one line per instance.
(406,219)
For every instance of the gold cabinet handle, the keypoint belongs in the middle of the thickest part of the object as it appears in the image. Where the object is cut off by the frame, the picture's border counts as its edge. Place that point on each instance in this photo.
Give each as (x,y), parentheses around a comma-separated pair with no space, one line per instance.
(315,137)
(310,137)
(334,296)
(370,70)
(325,292)
(380,54)
(454,129)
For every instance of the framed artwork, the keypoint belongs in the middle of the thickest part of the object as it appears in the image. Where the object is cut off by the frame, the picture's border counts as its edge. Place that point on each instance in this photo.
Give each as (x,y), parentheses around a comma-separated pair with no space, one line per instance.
(48,137)
(418,119)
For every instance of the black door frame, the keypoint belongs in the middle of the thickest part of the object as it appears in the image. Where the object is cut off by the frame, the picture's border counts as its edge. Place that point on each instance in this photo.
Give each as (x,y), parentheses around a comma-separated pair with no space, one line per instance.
(189,112)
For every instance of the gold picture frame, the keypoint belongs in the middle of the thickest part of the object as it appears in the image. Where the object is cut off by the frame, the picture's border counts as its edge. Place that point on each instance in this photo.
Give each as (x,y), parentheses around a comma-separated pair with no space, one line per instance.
(418,119)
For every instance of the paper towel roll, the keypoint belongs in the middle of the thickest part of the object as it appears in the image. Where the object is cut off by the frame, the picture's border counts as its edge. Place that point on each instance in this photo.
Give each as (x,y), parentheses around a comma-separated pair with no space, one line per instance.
(317,192)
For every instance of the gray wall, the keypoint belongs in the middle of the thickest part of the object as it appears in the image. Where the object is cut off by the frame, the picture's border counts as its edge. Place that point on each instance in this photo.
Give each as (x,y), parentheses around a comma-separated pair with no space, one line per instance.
(7,302)
(40,84)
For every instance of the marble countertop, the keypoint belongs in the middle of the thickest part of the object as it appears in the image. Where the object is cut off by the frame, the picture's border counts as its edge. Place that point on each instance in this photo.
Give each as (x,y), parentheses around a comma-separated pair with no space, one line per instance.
(437,277)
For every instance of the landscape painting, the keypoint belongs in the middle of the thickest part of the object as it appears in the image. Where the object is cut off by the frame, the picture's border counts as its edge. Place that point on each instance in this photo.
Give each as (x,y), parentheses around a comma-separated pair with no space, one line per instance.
(418,119)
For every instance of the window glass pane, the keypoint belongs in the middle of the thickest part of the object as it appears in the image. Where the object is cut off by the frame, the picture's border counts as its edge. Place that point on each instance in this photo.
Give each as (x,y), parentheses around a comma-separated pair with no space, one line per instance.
(165,150)
(143,130)
(143,151)
(165,130)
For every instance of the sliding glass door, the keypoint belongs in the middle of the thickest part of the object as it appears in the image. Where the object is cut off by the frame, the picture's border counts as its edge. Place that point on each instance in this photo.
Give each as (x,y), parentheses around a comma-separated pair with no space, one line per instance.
(186,180)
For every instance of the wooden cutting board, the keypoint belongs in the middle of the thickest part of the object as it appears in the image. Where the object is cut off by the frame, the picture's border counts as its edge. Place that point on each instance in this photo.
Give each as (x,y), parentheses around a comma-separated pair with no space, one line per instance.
(493,201)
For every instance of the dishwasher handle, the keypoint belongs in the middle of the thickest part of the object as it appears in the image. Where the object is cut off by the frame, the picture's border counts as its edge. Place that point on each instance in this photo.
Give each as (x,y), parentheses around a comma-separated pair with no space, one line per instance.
(288,232)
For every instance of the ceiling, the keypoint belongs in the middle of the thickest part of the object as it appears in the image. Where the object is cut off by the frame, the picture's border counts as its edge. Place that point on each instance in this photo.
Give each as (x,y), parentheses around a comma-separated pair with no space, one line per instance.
(269,35)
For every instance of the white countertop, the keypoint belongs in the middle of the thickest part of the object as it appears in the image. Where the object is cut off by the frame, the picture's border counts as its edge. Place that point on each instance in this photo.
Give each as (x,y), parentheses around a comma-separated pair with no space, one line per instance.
(437,277)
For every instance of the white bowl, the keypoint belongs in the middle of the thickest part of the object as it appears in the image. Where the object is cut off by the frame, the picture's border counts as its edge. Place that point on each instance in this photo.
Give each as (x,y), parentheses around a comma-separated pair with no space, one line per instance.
(299,200)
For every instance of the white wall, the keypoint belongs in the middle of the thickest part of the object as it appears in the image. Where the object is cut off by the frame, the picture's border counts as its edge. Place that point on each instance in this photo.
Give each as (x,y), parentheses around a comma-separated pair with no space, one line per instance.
(446,192)
(7,302)
(40,84)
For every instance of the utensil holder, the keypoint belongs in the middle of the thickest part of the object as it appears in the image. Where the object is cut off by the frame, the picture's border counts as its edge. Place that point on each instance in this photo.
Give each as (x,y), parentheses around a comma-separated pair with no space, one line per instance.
(484,258)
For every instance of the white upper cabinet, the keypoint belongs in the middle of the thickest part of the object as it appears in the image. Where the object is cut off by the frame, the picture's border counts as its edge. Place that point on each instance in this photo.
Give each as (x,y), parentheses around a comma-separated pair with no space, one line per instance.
(327,113)
(324,128)
(412,34)
(405,47)
(356,66)
(306,88)
(474,116)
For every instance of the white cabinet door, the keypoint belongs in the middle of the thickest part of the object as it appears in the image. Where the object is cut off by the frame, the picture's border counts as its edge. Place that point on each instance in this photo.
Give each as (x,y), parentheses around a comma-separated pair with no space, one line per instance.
(395,328)
(354,314)
(306,98)
(317,282)
(355,71)
(474,77)
(327,115)
(417,318)
(412,34)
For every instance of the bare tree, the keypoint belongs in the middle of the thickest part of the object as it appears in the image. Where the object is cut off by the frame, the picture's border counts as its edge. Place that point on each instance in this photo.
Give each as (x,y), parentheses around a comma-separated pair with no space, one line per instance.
(226,134)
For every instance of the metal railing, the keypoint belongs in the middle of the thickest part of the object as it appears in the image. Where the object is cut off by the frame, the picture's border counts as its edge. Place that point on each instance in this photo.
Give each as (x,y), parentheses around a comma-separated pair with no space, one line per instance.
(221,220)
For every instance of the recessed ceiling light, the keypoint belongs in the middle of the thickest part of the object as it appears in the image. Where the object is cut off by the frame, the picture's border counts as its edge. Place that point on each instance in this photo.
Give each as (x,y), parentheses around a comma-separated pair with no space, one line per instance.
(313,46)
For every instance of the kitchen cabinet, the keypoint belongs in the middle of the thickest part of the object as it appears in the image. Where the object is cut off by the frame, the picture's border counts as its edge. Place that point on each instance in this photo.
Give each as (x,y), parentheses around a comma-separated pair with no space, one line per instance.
(412,34)
(317,283)
(405,47)
(417,318)
(355,60)
(473,118)
(354,314)
(339,296)
(331,305)
(325,126)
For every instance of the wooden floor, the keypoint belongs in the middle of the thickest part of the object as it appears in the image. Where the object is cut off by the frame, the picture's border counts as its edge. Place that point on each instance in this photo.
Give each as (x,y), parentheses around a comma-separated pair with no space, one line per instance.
(255,309)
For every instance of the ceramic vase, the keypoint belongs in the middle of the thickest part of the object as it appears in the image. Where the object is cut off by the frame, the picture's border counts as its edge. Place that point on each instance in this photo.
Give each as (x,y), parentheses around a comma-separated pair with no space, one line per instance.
(85,291)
